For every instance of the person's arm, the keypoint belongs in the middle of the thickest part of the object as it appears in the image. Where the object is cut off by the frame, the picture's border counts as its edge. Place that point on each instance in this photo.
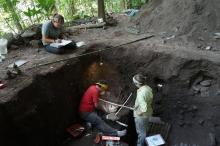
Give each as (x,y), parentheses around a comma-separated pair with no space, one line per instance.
(45,34)
(96,105)
(95,99)
(47,39)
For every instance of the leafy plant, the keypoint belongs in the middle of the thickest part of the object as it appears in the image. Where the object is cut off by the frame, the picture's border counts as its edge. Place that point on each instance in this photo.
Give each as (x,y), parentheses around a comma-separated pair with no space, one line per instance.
(32,12)
(47,6)
(9,7)
(15,12)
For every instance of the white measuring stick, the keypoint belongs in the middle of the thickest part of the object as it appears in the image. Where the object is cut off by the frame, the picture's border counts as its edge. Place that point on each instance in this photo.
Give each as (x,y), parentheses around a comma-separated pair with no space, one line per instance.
(131,108)
(123,104)
(122,124)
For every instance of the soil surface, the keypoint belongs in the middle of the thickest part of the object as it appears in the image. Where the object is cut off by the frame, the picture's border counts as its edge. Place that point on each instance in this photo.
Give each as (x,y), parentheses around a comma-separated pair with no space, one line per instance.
(42,101)
(194,21)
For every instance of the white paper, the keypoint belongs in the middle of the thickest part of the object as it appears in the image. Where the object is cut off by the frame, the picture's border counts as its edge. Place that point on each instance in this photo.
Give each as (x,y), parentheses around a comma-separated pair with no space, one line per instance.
(63,43)
(18,63)
(155,140)
(79,44)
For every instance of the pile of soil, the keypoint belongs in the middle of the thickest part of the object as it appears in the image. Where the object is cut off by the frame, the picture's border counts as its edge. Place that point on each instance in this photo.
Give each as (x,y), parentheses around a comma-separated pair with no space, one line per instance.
(194,21)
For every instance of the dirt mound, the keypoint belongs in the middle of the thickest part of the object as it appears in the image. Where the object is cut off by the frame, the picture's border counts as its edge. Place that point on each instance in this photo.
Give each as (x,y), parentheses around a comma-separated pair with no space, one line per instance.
(197,20)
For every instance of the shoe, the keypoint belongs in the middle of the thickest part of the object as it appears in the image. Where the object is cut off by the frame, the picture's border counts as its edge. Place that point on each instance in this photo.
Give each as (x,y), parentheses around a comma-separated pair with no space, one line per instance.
(122,133)
(88,126)
(97,138)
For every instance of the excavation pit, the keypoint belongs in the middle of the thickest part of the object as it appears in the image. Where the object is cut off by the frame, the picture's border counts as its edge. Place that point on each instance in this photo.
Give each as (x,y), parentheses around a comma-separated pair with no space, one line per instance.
(186,95)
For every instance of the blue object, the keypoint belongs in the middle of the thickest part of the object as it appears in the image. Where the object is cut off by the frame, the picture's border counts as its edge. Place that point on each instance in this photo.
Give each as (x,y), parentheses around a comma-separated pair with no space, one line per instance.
(131,12)
(141,124)
(97,122)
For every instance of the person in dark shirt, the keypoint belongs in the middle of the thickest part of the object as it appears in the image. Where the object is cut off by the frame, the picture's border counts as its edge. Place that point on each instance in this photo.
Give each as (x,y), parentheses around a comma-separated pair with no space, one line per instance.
(52,33)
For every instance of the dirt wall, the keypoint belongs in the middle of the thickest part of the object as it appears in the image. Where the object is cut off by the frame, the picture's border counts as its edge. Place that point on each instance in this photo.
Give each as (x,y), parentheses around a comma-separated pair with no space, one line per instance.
(40,113)
(193,114)
(190,21)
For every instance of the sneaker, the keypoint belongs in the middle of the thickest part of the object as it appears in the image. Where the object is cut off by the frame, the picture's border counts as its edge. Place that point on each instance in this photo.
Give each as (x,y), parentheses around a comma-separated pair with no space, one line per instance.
(88,126)
(122,133)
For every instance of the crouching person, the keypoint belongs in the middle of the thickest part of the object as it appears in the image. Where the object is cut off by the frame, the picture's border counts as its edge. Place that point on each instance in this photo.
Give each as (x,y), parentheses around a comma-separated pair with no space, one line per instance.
(89,103)
(52,33)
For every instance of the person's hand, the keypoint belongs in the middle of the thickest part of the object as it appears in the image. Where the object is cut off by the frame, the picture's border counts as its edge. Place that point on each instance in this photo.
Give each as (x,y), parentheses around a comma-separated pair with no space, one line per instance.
(58,41)
(138,112)
(112,116)
(102,93)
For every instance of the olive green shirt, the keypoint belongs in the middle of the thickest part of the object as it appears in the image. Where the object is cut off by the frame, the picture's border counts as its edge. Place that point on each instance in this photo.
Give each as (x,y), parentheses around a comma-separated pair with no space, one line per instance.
(143,102)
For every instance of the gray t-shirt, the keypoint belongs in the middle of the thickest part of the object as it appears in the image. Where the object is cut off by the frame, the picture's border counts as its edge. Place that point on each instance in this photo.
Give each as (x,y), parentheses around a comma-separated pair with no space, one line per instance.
(48,30)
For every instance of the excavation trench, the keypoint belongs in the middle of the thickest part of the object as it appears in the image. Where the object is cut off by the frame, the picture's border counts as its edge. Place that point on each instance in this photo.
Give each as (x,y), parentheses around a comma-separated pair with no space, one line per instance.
(188,99)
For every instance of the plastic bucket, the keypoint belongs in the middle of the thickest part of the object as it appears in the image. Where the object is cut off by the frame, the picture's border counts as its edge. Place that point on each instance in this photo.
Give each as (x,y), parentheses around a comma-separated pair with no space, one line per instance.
(3,46)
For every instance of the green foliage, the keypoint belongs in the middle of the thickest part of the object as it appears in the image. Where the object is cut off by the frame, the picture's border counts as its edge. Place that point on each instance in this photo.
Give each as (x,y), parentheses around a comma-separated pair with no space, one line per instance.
(1,33)
(5,6)
(36,11)
(47,6)
(31,13)
(9,6)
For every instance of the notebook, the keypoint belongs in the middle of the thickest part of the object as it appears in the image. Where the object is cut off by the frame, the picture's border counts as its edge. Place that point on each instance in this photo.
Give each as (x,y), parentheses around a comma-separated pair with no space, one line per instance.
(63,43)
(155,140)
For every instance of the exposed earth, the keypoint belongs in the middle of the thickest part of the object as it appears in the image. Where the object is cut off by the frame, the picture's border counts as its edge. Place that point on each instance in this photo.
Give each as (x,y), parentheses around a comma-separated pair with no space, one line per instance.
(183,57)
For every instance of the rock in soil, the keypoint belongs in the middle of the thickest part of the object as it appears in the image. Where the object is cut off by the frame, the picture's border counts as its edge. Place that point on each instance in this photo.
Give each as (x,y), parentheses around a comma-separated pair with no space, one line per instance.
(14,47)
(206,83)
(212,139)
(204,89)
(201,122)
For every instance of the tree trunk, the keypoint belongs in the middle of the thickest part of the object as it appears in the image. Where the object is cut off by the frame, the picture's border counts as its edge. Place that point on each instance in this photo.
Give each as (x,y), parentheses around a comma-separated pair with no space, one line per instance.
(138,3)
(72,7)
(15,17)
(101,9)
(112,6)
(129,4)
(123,4)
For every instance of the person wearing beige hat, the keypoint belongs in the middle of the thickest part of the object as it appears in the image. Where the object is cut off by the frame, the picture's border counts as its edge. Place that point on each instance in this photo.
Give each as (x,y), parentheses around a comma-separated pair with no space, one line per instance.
(89,103)
(143,107)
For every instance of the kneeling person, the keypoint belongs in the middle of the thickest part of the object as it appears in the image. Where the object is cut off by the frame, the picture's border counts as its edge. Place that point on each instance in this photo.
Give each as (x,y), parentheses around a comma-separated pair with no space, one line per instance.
(87,107)
(51,33)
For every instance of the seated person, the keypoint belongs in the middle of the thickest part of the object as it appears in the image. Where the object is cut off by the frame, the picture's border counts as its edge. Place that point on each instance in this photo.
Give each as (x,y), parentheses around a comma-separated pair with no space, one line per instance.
(51,33)
(89,103)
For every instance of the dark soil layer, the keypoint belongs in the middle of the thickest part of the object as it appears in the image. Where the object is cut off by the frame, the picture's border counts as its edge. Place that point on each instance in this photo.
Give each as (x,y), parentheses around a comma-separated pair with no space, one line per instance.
(189,99)
(40,113)
(194,114)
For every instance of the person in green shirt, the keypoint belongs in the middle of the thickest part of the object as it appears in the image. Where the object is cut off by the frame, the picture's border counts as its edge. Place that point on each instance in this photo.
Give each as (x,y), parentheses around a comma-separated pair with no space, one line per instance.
(142,108)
